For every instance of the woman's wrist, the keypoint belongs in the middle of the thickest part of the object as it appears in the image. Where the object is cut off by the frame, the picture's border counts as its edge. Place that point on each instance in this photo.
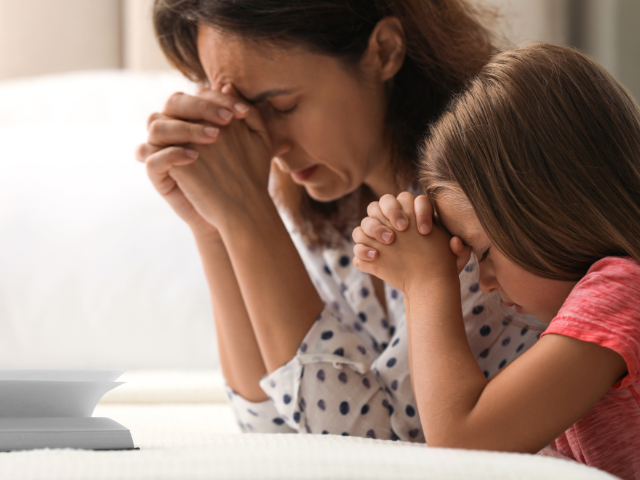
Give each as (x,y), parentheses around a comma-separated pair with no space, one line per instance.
(258,215)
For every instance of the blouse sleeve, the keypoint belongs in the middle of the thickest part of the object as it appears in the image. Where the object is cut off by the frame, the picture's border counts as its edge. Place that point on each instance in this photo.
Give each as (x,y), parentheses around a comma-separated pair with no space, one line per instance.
(342,382)
(256,417)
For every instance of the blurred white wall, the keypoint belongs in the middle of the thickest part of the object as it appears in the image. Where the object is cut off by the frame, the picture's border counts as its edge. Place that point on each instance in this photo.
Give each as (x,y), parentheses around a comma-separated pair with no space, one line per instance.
(48,36)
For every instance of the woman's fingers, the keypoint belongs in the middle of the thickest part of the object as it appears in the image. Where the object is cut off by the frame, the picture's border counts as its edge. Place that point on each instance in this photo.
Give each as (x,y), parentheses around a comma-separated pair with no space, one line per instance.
(462,253)
(253,119)
(144,150)
(374,229)
(391,208)
(209,105)
(159,163)
(424,213)
(164,131)
(230,104)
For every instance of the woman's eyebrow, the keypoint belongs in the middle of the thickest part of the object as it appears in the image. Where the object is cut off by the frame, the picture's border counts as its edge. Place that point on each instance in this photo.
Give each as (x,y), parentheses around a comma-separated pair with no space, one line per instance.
(269,94)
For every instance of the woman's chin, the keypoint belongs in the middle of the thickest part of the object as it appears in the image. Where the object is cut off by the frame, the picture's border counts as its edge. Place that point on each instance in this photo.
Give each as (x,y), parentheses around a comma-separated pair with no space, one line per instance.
(326,194)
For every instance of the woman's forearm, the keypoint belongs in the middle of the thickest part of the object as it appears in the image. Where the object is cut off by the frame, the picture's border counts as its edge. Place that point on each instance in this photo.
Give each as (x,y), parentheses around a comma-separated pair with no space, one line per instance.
(240,358)
(280,298)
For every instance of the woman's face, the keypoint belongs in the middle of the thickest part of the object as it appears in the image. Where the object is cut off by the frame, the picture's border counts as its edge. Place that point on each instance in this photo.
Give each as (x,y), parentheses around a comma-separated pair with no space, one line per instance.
(326,124)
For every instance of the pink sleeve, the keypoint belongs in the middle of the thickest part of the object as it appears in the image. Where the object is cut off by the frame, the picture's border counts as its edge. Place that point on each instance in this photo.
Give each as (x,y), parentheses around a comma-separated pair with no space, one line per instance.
(604,308)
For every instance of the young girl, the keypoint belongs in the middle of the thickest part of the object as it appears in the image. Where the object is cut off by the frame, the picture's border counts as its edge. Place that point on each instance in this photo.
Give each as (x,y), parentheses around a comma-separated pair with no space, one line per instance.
(535,169)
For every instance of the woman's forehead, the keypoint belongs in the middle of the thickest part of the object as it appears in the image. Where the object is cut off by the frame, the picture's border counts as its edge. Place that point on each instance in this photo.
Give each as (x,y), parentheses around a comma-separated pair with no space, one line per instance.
(252,68)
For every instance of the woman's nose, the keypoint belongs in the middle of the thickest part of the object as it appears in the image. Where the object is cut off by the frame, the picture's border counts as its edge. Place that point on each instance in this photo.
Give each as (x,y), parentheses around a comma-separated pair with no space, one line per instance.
(280,146)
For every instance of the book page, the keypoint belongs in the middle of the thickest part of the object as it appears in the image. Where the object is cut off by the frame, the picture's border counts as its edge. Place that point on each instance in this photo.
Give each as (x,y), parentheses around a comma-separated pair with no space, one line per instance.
(62,375)
(41,398)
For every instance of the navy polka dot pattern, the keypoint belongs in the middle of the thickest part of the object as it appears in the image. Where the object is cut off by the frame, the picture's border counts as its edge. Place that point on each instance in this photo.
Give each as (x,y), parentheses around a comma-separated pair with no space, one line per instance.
(485,330)
(328,335)
(355,356)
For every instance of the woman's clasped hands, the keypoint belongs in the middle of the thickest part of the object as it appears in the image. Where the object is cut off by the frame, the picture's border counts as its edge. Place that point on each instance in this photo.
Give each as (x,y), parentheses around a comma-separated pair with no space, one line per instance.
(208,155)
(400,243)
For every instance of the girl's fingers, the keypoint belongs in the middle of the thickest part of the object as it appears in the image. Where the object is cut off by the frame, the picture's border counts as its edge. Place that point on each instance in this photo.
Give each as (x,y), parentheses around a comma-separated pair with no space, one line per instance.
(392,211)
(374,229)
(168,131)
(374,211)
(159,164)
(424,213)
(365,253)
(359,236)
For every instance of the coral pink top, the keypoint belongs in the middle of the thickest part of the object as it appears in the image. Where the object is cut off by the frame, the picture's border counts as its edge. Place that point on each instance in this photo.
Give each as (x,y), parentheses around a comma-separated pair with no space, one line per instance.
(604,308)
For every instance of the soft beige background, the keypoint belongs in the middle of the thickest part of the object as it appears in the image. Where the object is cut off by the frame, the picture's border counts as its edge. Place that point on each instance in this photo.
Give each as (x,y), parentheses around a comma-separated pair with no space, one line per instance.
(47,36)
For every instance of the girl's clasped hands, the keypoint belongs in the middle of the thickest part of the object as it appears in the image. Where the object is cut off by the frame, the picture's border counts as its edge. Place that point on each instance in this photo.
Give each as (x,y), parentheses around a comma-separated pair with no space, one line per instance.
(400,243)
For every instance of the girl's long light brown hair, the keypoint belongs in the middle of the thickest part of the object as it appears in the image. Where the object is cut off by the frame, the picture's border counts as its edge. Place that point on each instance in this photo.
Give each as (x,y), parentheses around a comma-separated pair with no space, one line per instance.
(545,145)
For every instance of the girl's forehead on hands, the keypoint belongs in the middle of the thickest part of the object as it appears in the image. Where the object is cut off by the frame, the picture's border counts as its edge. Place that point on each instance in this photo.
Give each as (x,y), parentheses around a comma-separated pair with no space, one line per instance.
(457,216)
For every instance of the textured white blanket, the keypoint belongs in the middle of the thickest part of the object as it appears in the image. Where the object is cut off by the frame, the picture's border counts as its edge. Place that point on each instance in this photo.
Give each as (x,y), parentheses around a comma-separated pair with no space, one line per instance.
(197,441)
(287,456)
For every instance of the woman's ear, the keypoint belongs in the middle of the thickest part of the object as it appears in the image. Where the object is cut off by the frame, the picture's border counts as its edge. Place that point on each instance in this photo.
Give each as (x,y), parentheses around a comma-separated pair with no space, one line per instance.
(386,50)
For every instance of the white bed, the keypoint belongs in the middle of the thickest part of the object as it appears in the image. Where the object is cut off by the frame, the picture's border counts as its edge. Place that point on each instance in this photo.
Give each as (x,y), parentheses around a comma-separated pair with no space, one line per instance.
(96,272)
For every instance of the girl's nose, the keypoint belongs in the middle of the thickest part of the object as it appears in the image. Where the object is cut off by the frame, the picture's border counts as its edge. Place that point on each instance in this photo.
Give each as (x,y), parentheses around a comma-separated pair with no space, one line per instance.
(488,282)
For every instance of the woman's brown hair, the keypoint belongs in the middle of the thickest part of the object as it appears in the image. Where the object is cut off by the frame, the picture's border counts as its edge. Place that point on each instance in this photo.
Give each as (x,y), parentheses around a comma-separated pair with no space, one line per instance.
(445,45)
(545,145)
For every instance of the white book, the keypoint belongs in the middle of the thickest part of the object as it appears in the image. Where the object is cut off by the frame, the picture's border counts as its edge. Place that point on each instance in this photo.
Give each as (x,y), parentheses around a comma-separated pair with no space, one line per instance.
(53,408)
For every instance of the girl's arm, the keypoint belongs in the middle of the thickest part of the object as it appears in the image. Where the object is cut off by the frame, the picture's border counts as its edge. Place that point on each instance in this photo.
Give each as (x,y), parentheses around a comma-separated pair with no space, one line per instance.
(524,408)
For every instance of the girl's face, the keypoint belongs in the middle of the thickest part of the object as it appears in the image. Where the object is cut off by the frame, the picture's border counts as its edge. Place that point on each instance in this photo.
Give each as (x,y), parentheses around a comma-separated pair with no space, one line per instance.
(529,293)
(326,124)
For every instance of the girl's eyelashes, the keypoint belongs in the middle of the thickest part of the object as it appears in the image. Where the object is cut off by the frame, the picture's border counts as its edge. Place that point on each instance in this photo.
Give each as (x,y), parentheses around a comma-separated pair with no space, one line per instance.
(484,255)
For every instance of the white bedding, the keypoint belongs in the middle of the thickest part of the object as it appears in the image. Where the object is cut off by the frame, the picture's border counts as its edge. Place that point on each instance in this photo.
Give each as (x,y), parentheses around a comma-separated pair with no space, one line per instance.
(194,451)
(183,435)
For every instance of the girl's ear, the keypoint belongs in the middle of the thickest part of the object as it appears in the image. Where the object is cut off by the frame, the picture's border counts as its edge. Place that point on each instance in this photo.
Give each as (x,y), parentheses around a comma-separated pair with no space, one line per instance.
(386,50)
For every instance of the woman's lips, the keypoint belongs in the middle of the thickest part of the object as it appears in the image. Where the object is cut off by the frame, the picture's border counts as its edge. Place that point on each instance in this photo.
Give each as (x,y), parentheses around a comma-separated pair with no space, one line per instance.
(302,175)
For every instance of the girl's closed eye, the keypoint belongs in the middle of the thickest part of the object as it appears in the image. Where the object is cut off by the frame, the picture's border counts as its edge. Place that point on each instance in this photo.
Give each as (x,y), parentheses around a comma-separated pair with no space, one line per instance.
(484,255)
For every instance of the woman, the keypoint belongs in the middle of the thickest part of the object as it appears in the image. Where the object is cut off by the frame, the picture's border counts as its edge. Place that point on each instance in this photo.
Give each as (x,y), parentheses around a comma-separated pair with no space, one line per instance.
(338,93)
